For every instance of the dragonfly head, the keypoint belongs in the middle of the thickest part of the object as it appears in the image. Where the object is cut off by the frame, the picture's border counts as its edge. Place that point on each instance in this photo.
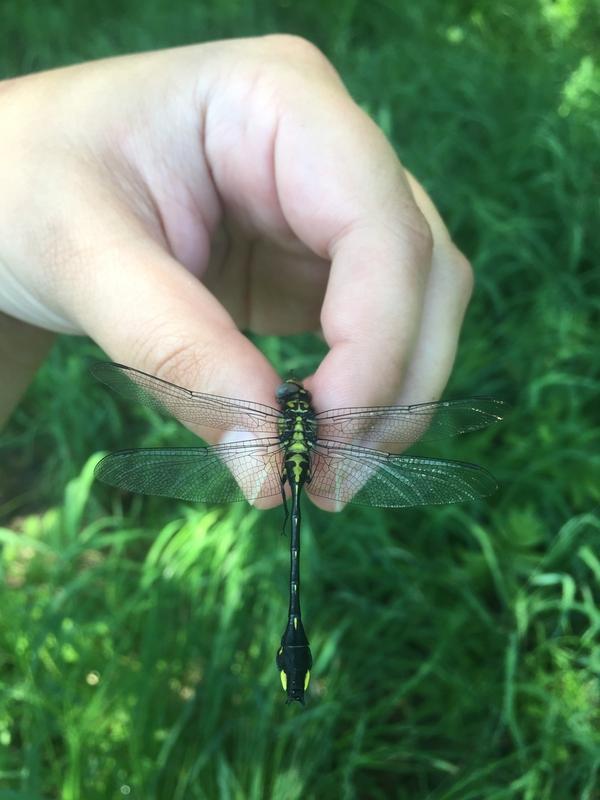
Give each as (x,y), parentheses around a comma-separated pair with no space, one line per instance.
(291,390)
(294,661)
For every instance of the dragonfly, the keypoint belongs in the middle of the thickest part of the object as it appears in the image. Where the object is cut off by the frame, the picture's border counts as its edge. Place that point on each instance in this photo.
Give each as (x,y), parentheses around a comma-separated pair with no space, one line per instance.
(345,455)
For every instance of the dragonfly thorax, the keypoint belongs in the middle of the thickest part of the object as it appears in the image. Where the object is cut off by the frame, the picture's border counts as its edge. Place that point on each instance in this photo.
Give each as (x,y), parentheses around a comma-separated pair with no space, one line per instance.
(296,432)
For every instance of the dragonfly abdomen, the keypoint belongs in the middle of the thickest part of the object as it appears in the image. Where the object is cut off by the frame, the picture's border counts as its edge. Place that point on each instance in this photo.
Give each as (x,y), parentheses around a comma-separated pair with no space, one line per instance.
(294,658)
(296,468)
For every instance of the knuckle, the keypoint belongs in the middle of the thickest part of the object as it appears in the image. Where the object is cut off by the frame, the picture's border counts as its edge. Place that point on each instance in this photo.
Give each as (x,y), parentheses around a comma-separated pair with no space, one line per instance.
(293,44)
(464,271)
(418,232)
(422,230)
(299,54)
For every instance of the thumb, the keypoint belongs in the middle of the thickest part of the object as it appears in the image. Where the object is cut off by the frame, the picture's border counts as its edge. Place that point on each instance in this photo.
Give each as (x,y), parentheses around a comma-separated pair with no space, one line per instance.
(147,311)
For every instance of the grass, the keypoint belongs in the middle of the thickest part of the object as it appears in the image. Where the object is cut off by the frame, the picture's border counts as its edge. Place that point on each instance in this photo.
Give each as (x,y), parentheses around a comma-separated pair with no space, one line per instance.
(456,649)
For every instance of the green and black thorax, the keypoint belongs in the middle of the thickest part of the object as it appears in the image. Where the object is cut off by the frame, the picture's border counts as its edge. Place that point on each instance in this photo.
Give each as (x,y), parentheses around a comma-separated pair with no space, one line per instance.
(297,432)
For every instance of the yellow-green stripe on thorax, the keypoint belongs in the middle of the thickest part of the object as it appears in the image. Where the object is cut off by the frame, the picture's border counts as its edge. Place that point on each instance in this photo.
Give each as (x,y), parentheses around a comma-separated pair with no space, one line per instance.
(297,447)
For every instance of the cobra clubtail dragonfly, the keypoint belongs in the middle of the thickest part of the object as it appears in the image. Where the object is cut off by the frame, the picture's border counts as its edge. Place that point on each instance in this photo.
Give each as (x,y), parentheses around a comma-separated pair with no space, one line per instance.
(344,455)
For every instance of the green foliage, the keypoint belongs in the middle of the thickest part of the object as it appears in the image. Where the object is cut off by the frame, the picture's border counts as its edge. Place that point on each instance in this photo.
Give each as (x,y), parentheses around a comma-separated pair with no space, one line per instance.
(456,649)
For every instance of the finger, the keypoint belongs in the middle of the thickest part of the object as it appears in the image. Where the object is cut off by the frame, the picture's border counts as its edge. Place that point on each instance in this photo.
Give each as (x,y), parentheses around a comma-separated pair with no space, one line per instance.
(148,312)
(370,316)
(447,294)
(361,215)
(380,248)
(446,299)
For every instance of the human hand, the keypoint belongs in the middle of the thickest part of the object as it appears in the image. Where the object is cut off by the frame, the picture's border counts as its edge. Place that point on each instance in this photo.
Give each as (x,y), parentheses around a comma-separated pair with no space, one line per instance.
(162,202)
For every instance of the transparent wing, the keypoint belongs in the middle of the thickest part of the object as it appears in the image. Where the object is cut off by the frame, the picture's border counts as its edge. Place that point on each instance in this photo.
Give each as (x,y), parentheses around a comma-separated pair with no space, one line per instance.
(210,411)
(405,425)
(222,474)
(352,474)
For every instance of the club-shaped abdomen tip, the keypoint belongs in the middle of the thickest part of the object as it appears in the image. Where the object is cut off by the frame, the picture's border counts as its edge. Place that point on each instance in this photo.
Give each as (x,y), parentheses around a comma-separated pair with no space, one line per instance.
(294,672)
(294,661)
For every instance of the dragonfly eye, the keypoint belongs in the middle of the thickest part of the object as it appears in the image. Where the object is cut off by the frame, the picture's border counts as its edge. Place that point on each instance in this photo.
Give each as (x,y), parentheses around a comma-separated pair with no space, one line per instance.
(290,390)
(287,391)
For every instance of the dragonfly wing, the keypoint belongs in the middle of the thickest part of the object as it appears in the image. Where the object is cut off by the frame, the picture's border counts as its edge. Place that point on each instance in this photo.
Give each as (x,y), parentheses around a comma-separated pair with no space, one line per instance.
(352,474)
(206,410)
(221,474)
(404,425)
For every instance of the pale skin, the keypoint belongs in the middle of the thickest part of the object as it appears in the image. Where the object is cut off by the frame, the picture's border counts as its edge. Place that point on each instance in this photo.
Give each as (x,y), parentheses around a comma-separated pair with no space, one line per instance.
(160,203)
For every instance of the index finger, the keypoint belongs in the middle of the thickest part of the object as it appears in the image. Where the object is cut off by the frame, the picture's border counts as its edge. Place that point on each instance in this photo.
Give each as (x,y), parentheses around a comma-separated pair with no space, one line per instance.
(348,199)
(371,314)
